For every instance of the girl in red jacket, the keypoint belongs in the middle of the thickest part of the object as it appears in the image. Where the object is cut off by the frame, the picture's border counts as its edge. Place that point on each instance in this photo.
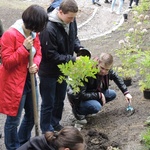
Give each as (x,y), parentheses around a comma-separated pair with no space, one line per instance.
(15,90)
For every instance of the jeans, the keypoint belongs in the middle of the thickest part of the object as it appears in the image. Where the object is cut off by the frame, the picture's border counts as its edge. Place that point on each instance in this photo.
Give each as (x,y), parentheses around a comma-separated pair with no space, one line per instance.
(53,95)
(120,5)
(136,2)
(14,137)
(93,106)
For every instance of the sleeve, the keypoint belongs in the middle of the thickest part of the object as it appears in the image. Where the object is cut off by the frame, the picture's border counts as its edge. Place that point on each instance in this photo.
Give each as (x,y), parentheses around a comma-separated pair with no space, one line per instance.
(86,95)
(118,81)
(38,55)
(12,56)
(51,50)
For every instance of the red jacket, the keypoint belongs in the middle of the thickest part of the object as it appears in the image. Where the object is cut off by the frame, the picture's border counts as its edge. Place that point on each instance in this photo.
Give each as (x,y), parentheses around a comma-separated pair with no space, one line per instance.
(14,68)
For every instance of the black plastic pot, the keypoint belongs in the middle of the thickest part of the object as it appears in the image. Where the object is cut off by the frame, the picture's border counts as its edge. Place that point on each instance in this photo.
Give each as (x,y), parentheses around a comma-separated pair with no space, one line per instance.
(127,82)
(84,52)
(125,17)
(146,94)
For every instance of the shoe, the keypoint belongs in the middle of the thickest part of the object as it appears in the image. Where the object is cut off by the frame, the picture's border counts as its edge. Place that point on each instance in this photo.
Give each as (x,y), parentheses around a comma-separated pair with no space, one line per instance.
(97,2)
(58,128)
(81,122)
(76,115)
(91,115)
(118,13)
(130,7)
(107,2)
(111,11)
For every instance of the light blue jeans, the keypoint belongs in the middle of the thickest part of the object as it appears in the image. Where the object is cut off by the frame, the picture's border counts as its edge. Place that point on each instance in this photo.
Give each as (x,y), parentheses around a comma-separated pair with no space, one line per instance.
(120,5)
(93,106)
(15,137)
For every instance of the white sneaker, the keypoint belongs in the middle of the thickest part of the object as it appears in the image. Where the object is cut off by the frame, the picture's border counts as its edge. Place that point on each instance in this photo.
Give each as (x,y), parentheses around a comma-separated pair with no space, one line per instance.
(118,13)
(82,122)
(111,11)
(91,115)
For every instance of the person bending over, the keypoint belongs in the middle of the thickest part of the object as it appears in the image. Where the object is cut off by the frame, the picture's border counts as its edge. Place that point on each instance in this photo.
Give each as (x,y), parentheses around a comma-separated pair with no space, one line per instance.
(68,138)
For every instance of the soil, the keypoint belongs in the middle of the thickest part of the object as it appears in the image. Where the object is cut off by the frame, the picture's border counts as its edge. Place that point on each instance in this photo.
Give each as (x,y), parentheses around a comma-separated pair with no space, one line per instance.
(113,126)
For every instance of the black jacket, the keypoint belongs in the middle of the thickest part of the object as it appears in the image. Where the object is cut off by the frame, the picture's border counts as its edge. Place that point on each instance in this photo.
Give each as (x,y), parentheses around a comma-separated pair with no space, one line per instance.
(91,89)
(57,47)
(36,143)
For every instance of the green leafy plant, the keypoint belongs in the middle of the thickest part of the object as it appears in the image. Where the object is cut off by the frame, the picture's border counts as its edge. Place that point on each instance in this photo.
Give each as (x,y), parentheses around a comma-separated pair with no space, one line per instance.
(143,6)
(145,70)
(128,57)
(75,73)
(146,138)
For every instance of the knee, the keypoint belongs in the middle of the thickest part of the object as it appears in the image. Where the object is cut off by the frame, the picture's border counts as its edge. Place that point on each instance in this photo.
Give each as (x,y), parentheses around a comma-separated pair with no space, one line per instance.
(96,108)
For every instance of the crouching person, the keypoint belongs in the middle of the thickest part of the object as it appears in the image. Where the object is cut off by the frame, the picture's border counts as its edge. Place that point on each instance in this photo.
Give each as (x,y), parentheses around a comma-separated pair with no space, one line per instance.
(95,93)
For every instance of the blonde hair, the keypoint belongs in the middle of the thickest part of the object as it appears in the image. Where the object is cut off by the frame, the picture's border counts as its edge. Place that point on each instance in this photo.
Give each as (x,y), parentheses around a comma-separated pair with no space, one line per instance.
(106,58)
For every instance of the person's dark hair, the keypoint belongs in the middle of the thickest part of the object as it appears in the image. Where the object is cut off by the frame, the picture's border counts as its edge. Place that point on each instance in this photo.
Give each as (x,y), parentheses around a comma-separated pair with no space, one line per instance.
(35,18)
(69,137)
(68,6)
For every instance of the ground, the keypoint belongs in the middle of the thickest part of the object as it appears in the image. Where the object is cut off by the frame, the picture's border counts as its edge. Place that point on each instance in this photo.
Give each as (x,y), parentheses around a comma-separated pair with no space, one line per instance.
(113,125)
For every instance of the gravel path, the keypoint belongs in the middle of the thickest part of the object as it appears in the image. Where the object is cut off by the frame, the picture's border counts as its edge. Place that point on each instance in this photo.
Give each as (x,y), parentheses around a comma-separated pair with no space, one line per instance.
(93,21)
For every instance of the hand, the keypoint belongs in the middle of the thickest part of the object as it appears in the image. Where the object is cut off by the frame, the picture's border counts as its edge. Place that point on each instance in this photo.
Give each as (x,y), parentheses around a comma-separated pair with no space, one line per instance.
(103,99)
(33,68)
(28,43)
(128,98)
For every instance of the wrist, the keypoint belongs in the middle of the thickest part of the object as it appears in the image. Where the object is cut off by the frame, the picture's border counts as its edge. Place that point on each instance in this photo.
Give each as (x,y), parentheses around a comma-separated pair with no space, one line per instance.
(26,48)
(100,95)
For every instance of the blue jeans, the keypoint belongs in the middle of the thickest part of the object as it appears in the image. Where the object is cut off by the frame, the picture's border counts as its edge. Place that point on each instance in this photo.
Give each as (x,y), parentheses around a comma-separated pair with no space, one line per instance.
(14,137)
(93,106)
(120,5)
(53,95)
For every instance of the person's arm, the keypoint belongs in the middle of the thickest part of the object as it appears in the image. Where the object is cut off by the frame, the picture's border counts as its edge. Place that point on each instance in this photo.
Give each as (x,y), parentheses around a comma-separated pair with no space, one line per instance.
(36,143)
(121,85)
(85,94)
(38,56)
(12,57)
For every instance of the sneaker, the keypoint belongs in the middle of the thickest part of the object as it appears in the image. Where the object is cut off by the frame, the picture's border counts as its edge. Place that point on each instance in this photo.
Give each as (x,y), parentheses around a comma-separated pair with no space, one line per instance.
(58,128)
(76,115)
(81,122)
(91,115)
(118,13)
(111,11)
(130,7)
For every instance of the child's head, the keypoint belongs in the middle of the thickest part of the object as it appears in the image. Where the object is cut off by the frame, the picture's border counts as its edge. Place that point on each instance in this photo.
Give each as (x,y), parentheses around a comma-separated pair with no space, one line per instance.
(68,138)
(105,63)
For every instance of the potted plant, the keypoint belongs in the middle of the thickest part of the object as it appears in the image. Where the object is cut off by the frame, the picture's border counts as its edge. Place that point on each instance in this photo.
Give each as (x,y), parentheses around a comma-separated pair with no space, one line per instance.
(126,74)
(128,67)
(145,73)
